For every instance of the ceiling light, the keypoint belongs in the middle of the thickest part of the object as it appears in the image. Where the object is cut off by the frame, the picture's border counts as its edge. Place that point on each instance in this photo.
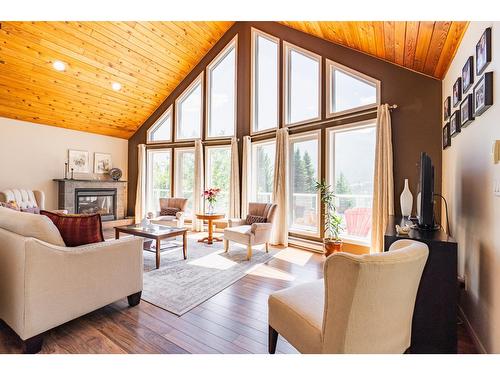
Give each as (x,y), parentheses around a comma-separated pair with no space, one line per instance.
(59,66)
(116,86)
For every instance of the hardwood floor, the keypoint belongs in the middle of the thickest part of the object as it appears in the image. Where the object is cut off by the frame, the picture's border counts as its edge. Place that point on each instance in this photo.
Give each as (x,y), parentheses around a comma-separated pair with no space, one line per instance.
(233,321)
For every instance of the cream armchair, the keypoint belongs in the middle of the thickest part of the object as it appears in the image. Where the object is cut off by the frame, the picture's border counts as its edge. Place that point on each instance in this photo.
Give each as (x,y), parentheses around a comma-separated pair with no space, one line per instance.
(44,284)
(251,235)
(176,220)
(26,198)
(363,305)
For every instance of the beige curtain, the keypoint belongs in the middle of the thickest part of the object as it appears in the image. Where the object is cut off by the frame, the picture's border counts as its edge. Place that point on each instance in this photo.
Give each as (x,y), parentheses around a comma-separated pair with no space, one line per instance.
(140,195)
(234,183)
(245,175)
(197,225)
(280,189)
(383,184)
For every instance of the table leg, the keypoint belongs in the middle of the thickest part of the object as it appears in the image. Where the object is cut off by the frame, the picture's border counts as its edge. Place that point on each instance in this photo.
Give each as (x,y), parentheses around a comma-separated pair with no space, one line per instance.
(158,246)
(184,245)
(210,232)
(117,234)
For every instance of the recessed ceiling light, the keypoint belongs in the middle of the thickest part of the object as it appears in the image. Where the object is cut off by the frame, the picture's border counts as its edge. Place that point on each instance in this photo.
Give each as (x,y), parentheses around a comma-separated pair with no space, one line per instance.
(116,86)
(59,66)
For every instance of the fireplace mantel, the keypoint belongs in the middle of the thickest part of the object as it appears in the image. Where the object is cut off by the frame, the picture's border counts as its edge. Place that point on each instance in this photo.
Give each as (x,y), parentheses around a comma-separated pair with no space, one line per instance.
(83,180)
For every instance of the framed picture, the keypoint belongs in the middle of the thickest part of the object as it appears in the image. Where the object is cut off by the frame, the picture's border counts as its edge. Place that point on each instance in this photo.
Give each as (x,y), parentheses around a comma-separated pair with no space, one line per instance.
(468,74)
(102,163)
(483,94)
(79,161)
(455,124)
(483,51)
(466,111)
(447,108)
(446,136)
(457,92)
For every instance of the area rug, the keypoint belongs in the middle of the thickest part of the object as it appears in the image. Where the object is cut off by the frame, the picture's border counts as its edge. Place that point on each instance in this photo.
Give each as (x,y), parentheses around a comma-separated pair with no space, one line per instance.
(180,285)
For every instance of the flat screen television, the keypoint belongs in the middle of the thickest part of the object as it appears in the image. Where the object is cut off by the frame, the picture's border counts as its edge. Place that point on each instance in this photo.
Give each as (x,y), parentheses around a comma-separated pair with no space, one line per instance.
(426,217)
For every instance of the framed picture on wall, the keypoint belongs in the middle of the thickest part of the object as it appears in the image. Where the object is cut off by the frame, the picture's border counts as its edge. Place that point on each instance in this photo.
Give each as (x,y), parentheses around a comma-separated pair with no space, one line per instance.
(483,51)
(79,161)
(483,94)
(455,124)
(457,92)
(466,111)
(468,74)
(102,163)
(446,136)
(447,108)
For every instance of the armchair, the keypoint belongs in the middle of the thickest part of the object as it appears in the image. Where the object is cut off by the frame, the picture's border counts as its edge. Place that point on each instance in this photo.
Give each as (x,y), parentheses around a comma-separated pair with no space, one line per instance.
(26,199)
(251,234)
(364,304)
(176,220)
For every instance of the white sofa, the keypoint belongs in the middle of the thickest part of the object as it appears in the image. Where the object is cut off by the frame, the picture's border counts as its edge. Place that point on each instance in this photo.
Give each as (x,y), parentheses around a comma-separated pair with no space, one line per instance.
(44,284)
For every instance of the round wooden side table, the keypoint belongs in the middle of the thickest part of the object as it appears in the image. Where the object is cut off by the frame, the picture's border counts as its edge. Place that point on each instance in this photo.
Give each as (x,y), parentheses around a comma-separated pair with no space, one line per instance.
(210,218)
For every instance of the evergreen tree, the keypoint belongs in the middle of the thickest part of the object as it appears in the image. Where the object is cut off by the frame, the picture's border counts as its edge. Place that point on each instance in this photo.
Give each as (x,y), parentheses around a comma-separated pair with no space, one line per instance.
(265,173)
(299,175)
(310,177)
(342,187)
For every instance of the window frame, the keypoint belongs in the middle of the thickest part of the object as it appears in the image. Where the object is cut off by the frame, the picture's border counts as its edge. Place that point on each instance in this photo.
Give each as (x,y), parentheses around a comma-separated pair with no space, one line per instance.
(253,87)
(149,175)
(287,46)
(180,99)
(253,145)
(213,64)
(330,85)
(312,134)
(177,151)
(157,124)
(330,163)
(206,171)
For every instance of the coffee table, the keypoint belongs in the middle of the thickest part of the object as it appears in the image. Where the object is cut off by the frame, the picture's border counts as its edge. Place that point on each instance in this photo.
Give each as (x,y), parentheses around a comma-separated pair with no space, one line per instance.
(210,218)
(157,233)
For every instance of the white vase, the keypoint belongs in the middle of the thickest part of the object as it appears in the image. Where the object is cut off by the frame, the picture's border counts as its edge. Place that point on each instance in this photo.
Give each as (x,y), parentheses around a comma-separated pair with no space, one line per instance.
(406,200)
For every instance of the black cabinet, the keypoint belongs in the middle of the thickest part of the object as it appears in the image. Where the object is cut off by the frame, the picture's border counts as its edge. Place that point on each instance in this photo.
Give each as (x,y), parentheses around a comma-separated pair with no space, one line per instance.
(434,327)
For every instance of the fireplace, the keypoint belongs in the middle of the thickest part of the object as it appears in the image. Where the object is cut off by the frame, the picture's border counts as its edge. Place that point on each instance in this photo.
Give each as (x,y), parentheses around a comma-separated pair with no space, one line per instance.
(96,201)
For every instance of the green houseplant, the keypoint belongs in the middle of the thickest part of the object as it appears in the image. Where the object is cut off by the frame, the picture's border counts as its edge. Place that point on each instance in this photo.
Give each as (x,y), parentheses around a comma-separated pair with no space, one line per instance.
(332,221)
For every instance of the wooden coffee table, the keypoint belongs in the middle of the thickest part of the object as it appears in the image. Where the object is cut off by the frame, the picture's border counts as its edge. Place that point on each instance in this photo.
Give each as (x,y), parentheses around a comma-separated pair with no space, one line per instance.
(210,218)
(157,233)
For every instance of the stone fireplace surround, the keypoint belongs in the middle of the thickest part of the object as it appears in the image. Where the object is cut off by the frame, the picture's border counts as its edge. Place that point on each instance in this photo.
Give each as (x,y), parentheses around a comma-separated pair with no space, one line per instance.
(66,193)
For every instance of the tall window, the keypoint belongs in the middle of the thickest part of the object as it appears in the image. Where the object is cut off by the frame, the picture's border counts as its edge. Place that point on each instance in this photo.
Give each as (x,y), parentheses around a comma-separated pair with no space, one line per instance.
(349,90)
(159,164)
(265,67)
(221,82)
(262,171)
(161,130)
(304,172)
(302,85)
(351,156)
(184,176)
(188,109)
(218,174)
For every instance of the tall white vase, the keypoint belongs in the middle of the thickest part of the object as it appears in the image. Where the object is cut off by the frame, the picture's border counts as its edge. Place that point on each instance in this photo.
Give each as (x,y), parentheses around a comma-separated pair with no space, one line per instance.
(406,200)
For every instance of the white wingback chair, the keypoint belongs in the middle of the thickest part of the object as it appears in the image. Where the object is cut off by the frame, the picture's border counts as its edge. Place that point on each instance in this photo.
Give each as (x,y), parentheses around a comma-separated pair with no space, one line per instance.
(251,235)
(24,198)
(364,304)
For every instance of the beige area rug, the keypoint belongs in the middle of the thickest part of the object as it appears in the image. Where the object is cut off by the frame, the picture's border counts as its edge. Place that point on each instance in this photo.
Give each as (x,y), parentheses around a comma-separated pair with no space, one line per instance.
(180,285)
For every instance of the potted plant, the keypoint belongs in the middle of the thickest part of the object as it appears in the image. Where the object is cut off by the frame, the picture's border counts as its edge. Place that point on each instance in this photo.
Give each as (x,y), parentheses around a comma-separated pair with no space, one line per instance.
(211,196)
(332,241)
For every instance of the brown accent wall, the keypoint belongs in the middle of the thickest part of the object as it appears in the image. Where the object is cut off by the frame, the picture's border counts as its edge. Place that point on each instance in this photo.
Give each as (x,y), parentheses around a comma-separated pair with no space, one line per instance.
(415,123)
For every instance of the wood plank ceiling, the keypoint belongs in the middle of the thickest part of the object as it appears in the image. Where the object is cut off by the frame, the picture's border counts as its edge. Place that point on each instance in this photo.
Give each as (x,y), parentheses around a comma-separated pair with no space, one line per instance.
(149,59)
(426,47)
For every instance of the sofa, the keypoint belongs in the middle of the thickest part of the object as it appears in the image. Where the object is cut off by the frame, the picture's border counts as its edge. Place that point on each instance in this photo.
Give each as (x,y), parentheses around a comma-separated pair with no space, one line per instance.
(44,284)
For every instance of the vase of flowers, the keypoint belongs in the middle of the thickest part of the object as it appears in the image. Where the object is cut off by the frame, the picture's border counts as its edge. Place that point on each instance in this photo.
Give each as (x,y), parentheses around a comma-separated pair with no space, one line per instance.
(211,197)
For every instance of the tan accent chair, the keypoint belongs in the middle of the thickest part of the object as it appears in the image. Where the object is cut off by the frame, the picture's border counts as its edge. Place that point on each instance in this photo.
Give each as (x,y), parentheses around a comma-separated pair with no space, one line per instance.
(251,235)
(363,305)
(170,220)
(44,284)
(26,198)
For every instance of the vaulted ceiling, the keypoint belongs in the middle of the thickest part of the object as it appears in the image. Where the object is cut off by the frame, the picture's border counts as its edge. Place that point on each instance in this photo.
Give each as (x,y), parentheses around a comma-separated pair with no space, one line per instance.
(149,59)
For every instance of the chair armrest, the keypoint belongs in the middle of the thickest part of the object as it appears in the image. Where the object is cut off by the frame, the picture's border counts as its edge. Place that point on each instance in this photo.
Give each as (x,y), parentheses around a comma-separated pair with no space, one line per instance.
(257,227)
(179,214)
(236,222)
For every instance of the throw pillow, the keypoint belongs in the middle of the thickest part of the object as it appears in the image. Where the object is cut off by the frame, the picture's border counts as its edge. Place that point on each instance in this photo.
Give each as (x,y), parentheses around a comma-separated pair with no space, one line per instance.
(77,230)
(169,211)
(31,210)
(11,204)
(255,219)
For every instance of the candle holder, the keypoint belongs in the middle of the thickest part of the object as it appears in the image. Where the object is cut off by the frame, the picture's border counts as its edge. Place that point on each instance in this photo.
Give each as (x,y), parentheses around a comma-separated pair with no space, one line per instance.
(66,171)
(72,174)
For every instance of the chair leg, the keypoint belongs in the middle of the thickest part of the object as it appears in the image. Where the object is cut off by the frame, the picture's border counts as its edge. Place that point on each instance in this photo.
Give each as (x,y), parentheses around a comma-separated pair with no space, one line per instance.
(134,299)
(267,247)
(273,340)
(33,345)
(249,252)
(226,245)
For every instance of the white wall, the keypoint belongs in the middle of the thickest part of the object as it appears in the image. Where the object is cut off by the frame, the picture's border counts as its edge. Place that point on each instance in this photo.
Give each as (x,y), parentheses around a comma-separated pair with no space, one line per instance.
(31,155)
(468,179)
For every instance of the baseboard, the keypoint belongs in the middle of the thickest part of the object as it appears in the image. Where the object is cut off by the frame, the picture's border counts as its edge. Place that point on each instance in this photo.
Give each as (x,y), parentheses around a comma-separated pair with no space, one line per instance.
(468,326)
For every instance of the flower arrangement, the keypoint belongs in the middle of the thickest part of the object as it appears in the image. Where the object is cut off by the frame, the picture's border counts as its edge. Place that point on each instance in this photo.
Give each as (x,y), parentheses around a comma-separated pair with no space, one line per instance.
(211,196)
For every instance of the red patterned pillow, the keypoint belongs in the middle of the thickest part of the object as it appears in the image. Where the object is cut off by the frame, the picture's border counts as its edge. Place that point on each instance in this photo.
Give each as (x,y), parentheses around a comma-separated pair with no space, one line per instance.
(169,211)
(77,230)
(255,219)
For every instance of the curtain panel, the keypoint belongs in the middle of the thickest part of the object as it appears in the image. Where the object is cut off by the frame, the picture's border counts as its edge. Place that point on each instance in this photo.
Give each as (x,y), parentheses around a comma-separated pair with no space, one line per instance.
(234,183)
(197,225)
(280,189)
(140,195)
(245,175)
